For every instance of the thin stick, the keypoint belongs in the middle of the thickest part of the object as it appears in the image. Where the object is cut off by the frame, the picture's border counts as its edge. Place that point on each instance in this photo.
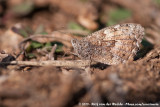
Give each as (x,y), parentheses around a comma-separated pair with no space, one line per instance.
(75,63)
(51,54)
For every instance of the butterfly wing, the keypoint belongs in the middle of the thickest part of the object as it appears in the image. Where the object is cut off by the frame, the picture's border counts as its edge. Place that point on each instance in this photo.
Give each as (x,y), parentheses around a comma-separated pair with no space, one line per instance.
(116,44)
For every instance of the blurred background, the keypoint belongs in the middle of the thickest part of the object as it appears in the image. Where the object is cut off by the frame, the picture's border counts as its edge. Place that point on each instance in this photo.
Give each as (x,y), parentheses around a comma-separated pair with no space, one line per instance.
(78,14)
(87,14)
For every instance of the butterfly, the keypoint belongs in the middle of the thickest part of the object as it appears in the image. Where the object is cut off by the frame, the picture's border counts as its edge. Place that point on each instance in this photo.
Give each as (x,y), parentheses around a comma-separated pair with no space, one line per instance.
(111,45)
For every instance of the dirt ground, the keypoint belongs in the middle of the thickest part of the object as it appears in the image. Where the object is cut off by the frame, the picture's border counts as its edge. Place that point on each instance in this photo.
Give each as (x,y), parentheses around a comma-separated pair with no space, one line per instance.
(41,30)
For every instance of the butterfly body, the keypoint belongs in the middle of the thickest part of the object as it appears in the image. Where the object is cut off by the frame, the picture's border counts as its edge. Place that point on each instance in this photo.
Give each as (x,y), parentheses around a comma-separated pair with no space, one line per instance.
(111,45)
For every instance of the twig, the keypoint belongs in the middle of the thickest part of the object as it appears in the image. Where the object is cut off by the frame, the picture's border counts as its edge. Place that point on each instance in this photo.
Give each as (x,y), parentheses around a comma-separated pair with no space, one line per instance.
(51,54)
(75,63)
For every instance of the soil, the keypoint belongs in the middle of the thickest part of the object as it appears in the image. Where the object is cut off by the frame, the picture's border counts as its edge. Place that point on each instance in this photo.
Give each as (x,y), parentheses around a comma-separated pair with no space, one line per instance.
(128,84)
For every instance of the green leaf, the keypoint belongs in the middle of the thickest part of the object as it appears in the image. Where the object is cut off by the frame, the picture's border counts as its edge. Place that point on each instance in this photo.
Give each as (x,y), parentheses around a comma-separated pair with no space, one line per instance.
(59,46)
(118,15)
(48,44)
(73,25)
(35,45)
(30,55)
